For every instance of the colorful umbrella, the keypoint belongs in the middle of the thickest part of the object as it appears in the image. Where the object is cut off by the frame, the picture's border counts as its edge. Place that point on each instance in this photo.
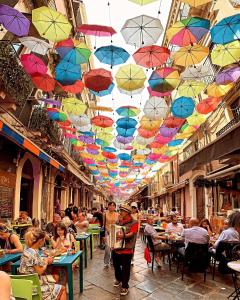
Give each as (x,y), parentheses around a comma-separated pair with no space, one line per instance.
(107,137)
(33,64)
(215,90)
(208,105)
(130,77)
(51,24)
(142,30)
(143,141)
(157,94)
(155,108)
(119,145)
(124,156)
(82,120)
(56,114)
(223,55)
(175,143)
(146,133)
(109,149)
(188,31)
(126,123)
(102,121)
(35,45)
(150,124)
(109,155)
(191,88)
(227,30)
(164,80)
(74,106)
(172,122)
(196,3)
(229,75)
(200,72)
(126,132)
(96,30)
(73,51)
(13,20)
(163,139)
(75,88)
(151,56)
(84,129)
(98,79)
(112,55)
(43,82)
(196,119)
(131,93)
(168,132)
(128,111)
(190,55)
(183,107)
(104,92)
(124,140)
(67,73)
(143,2)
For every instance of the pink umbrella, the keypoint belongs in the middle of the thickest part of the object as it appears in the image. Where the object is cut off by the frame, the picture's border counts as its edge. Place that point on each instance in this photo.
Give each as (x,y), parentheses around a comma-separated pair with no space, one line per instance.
(86,139)
(162,139)
(154,156)
(33,64)
(89,161)
(157,94)
(70,136)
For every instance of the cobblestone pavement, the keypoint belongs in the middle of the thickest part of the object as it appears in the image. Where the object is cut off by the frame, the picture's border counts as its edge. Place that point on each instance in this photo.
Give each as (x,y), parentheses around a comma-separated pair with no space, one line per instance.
(162,284)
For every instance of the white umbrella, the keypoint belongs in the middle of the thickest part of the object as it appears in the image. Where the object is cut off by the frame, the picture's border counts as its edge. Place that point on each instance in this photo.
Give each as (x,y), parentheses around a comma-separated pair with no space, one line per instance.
(143,141)
(84,128)
(82,120)
(155,108)
(200,72)
(119,145)
(35,45)
(142,30)
(143,151)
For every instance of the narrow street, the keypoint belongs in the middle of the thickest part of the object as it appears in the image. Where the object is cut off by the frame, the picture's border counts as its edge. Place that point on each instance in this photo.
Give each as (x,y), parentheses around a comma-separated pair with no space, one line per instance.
(162,284)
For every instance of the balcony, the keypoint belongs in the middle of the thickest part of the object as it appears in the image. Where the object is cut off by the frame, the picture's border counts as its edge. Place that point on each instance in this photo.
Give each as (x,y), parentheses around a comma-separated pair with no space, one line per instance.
(232,123)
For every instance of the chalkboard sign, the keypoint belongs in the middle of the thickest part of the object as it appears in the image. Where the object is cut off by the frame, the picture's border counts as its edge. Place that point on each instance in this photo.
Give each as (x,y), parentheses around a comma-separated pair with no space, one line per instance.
(6,202)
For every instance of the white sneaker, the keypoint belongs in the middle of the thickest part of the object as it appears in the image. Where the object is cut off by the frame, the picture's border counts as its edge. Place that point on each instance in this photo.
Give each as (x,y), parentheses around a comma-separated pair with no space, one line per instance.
(117,283)
(124,292)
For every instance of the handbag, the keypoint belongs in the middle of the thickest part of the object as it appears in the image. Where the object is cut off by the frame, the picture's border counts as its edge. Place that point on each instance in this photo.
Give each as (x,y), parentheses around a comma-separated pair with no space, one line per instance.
(147,255)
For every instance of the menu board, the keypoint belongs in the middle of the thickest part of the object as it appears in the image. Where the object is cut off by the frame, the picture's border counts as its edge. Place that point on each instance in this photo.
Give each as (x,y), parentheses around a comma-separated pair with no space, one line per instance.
(6,202)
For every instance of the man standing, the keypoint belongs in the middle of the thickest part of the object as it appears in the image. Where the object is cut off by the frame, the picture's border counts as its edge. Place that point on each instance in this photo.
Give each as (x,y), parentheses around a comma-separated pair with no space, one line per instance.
(122,257)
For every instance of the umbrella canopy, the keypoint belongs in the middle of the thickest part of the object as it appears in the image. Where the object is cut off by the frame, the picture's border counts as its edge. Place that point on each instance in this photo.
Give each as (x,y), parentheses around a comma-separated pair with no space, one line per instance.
(73,51)
(119,145)
(111,55)
(228,75)
(168,132)
(155,108)
(126,123)
(51,24)
(98,79)
(172,122)
(102,121)
(75,88)
(150,124)
(104,92)
(196,119)
(151,56)
(188,31)
(128,111)
(183,107)
(163,139)
(164,80)
(13,20)
(33,64)
(208,105)
(191,88)
(143,2)
(35,45)
(223,55)
(43,82)
(74,106)
(126,132)
(215,90)
(190,55)
(124,140)
(157,94)
(175,143)
(124,156)
(52,101)
(67,73)
(147,133)
(196,3)
(96,30)
(200,72)
(56,114)
(130,77)
(82,120)
(227,30)
(142,30)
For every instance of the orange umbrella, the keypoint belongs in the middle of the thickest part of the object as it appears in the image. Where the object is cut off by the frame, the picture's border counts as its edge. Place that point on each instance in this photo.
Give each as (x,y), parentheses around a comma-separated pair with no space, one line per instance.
(75,88)
(208,105)
(102,121)
(147,133)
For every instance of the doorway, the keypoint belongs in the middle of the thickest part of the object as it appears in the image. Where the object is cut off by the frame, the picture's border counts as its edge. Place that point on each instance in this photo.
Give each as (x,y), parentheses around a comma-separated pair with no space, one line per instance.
(26,192)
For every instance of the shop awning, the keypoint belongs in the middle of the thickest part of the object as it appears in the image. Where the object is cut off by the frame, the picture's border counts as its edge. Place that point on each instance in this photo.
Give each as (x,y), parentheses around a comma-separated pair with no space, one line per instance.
(222,146)
(25,143)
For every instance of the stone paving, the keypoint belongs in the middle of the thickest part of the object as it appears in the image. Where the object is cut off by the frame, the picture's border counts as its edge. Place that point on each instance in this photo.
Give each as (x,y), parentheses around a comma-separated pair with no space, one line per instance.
(161,284)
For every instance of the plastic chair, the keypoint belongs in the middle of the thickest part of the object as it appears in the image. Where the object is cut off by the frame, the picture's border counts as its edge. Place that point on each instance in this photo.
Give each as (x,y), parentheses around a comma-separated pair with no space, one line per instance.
(26,287)
(95,231)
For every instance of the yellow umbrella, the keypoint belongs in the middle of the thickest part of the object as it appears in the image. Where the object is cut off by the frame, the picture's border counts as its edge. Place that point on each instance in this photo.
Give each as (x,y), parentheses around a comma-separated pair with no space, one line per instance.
(98,129)
(108,137)
(196,119)
(196,3)
(138,146)
(215,90)
(183,135)
(51,24)
(150,124)
(191,88)
(223,55)
(190,55)
(74,106)
(130,77)
(187,129)
(161,150)
(143,2)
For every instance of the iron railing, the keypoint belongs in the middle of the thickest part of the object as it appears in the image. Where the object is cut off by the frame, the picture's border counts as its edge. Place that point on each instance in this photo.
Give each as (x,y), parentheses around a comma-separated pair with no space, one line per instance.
(232,123)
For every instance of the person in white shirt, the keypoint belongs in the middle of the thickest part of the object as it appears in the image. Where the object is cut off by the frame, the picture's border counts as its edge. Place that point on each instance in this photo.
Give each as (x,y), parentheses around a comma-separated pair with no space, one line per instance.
(174,227)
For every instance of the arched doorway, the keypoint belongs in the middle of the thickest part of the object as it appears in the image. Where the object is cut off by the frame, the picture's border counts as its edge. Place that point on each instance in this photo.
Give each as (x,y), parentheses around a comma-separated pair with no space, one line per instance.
(26,189)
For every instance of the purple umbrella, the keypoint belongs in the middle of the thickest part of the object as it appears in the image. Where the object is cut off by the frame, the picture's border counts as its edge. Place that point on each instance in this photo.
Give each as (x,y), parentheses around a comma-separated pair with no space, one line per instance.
(14,21)
(112,161)
(86,139)
(168,132)
(228,76)
(125,140)
(52,101)
(92,151)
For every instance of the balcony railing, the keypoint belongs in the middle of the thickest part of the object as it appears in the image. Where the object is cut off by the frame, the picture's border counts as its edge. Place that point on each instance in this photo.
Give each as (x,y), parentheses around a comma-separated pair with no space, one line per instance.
(232,123)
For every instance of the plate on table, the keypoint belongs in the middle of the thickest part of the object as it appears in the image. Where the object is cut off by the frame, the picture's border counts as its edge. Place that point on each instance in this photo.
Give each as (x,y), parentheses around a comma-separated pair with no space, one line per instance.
(54,252)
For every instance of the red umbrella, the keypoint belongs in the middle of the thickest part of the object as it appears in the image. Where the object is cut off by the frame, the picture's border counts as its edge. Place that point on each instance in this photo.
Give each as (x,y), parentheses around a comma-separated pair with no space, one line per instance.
(151,56)
(156,145)
(98,79)
(208,105)
(93,146)
(75,88)
(66,128)
(147,133)
(109,155)
(43,82)
(173,122)
(66,123)
(33,64)
(102,121)
(96,30)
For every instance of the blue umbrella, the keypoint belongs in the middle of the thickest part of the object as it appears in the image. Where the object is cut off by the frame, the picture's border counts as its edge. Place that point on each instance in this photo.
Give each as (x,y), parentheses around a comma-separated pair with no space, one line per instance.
(125,132)
(175,143)
(102,143)
(227,30)
(183,107)
(126,123)
(104,92)
(67,73)
(112,55)
(109,149)
(124,156)
(87,133)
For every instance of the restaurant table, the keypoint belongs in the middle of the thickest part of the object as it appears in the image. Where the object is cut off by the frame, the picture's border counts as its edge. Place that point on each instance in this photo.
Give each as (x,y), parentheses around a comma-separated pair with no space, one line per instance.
(21,227)
(9,258)
(65,261)
(85,237)
(235,266)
